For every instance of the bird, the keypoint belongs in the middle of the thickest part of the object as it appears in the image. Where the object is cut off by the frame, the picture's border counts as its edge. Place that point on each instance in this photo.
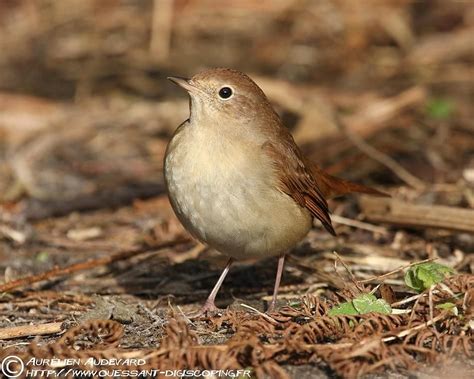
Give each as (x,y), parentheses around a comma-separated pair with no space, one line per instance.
(237,180)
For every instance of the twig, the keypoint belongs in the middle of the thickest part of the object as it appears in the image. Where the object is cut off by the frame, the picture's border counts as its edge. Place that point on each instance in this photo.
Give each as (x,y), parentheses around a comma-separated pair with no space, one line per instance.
(413,311)
(181,312)
(406,332)
(396,270)
(359,224)
(430,302)
(30,330)
(411,298)
(264,315)
(351,275)
(62,271)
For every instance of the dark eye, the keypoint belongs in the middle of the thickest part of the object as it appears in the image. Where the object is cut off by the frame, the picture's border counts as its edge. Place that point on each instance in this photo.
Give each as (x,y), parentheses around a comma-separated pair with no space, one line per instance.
(225,92)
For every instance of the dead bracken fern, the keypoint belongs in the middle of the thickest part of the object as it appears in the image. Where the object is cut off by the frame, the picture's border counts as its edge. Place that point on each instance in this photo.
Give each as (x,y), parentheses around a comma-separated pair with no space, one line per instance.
(351,345)
(105,330)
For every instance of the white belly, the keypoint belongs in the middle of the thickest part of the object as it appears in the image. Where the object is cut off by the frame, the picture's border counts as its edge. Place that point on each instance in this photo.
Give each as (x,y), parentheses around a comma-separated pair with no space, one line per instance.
(225,199)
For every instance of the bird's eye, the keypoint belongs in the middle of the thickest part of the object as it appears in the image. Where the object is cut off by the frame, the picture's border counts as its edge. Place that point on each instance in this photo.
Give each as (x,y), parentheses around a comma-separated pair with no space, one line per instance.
(225,93)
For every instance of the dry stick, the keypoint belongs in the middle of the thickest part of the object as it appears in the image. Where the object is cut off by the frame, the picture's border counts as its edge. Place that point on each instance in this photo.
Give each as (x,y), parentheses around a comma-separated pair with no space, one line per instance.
(430,302)
(30,330)
(410,299)
(382,158)
(406,332)
(358,224)
(61,271)
(413,311)
(396,212)
(264,315)
(396,270)
(351,275)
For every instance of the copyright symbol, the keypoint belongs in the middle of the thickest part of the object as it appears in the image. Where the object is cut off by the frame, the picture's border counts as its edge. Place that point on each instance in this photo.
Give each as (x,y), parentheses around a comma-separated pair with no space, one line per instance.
(12,366)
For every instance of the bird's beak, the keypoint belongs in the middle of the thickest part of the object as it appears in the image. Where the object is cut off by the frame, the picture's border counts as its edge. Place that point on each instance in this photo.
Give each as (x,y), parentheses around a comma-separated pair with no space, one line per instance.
(182,82)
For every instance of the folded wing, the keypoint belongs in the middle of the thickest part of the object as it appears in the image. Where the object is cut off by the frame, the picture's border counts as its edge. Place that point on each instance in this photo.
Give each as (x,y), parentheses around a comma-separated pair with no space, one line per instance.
(296,180)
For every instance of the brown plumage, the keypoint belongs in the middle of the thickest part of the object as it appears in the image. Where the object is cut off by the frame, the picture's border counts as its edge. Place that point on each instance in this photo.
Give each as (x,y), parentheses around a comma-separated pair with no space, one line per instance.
(332,186)
(296,180)
(236,178)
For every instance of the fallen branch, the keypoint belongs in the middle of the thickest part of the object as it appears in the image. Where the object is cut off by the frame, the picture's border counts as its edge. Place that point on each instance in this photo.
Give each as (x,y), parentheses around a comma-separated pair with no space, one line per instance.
(396,212)
(30,330)
(62,271)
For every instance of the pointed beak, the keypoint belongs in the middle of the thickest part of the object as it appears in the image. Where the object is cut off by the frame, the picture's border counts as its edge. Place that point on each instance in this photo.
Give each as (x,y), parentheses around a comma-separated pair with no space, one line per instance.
(182,82)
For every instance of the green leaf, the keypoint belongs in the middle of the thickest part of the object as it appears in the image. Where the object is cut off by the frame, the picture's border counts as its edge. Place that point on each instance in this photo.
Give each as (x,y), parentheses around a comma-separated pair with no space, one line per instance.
(448,306)
(424,275)
(367,303)
(346,308)
(440,109)
(362,304)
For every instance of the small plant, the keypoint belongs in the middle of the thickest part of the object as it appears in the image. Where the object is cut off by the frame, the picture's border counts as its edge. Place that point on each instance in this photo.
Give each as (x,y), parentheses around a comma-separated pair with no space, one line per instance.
(422,276)
(362,304)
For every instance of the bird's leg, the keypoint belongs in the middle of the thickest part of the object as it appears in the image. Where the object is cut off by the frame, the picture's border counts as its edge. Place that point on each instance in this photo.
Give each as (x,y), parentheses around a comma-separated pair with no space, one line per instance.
(281,263)
(209,305)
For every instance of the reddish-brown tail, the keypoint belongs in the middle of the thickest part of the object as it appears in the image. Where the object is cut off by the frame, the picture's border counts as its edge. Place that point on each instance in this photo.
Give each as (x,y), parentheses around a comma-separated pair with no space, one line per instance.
(331,186)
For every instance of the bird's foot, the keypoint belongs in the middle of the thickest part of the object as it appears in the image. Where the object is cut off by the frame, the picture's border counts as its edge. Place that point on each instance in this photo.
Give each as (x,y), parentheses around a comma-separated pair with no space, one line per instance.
(271,308)
(209,309)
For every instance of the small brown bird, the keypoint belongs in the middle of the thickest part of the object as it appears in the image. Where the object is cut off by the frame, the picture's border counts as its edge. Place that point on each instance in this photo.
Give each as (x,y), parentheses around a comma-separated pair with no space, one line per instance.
(236,178)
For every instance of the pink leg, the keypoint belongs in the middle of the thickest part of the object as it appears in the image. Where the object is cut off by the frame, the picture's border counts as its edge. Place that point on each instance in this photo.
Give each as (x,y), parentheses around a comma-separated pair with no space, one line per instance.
(281,263)
(209,305)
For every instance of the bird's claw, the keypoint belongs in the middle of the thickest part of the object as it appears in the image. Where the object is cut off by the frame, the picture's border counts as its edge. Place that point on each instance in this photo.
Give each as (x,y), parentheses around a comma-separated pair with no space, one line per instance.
(207,310)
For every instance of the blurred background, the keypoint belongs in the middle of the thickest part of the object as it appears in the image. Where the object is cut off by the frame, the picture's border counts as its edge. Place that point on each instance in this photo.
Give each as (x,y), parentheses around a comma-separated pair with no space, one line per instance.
(377,91)
(85,108)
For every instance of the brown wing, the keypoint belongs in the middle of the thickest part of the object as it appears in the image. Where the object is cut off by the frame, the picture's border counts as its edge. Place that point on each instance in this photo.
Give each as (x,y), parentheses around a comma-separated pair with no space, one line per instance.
(295,179)
(331,186)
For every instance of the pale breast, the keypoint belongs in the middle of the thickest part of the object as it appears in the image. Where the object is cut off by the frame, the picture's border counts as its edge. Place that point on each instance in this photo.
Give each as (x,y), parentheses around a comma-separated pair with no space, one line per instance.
(225,194)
